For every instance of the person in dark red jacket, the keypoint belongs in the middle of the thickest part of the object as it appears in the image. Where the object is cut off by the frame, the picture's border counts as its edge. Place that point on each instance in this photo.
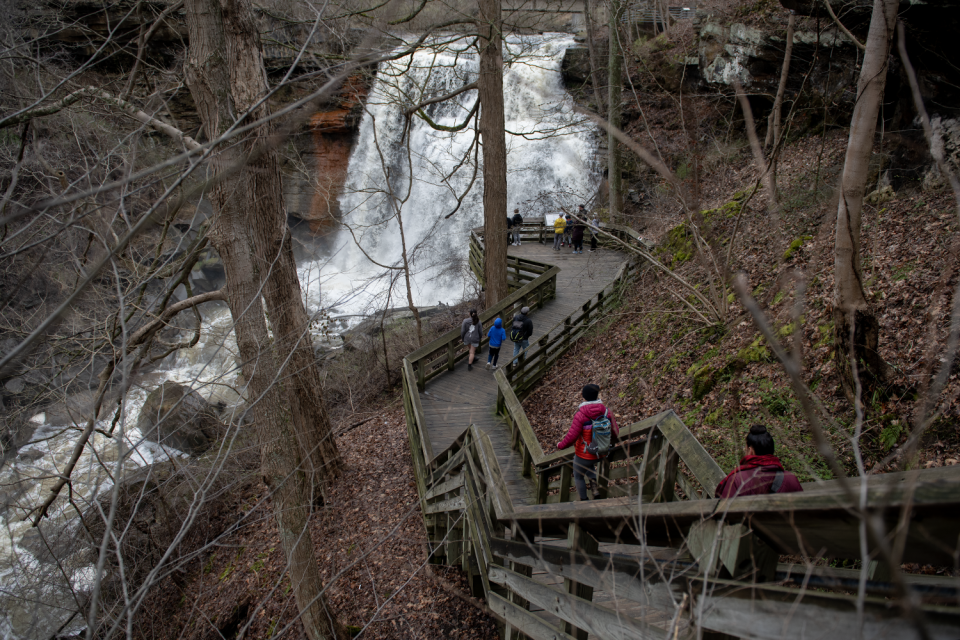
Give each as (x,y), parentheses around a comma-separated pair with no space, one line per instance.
(581,433)
(760,472)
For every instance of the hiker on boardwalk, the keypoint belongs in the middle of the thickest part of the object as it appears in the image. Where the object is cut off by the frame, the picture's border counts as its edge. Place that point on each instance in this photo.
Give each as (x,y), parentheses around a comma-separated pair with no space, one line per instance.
(760,472)
(594,228)
(577,235)
(497,335)
(520,331)
(567,232)
(509,232)
(517,223)
(558,226)
(590,414)
(471,333)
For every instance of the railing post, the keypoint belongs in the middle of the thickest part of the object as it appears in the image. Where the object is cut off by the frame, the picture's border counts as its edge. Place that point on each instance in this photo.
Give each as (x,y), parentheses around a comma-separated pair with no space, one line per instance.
(454,535)
(451,355)
(525,469)
(578,540)
(543,485)
(511,633)
(603,477)
(566,474)
(650,465)
(421,375)
(665,488)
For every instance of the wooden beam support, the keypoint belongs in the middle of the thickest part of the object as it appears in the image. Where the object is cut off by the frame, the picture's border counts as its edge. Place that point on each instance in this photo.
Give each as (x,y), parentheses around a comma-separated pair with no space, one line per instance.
(583,614)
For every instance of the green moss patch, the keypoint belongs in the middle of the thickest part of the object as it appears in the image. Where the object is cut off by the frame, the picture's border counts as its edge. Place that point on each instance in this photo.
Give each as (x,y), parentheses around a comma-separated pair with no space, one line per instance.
(795,246)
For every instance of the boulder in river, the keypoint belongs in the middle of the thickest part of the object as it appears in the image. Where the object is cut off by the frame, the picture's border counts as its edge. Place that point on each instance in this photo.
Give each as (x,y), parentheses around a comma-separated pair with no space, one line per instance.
(176,416)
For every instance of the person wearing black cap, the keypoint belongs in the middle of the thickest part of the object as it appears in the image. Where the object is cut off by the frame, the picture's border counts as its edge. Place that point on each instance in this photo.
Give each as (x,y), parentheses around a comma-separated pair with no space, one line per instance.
(520,331)
(581,433)
(760,472)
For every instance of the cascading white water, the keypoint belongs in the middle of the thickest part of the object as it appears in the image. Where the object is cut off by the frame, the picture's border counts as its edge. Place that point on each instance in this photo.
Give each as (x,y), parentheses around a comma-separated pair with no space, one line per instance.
(550,163)
(405,171)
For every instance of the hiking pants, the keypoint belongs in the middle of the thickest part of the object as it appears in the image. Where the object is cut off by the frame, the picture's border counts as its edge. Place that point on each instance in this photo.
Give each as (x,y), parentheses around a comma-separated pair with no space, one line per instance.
(557,237)
(583,468)
(517,348)
(578,244)
(593,242)
(493,354)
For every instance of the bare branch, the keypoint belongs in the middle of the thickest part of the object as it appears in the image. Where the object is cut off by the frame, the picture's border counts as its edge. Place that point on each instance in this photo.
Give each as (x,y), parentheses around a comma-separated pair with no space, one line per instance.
(443,98)
(846,31)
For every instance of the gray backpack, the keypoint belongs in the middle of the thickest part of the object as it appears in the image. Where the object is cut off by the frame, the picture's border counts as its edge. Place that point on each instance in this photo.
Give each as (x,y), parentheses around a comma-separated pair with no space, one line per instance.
(600,443)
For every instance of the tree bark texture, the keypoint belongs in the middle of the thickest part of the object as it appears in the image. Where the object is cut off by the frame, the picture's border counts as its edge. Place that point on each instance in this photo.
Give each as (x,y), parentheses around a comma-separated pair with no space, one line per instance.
(853,315)
(614,91)
(493,136)
(219,61)
(299,376)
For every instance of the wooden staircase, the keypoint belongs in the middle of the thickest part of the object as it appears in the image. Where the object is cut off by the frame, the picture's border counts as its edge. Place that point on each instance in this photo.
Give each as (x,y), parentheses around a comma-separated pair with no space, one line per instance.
(659,556)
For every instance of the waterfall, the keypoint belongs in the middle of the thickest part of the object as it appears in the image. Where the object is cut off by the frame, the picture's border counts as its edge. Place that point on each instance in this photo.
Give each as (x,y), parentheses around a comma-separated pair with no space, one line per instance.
(407,166)
(550,163)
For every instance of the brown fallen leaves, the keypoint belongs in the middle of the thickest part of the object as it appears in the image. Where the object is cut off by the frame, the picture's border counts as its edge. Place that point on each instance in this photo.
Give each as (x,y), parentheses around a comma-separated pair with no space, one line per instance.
(371,548)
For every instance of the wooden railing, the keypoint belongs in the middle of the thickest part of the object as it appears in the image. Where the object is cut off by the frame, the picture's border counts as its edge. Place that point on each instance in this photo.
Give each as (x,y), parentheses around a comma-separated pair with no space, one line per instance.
(686,562)
(520,271)
(534,361)
(443,353)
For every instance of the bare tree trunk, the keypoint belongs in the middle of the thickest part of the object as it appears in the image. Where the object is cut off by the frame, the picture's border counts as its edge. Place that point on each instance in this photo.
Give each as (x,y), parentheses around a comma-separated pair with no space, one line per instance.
(490,85)
(592,52)
(273,246)
(853,315)
(773,122)
(406,259)
(615,87)
(216,71)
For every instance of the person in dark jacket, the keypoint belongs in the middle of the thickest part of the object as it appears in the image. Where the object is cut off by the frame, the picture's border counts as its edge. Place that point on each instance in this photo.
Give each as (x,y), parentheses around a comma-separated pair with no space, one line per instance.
(517,223)
(581,433)
(521,336)
(760,472)
(509,232)
(471,333)
(577,235)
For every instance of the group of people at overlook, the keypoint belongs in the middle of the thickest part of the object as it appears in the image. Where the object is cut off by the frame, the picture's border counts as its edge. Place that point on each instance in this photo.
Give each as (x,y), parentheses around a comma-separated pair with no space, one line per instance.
(594,430)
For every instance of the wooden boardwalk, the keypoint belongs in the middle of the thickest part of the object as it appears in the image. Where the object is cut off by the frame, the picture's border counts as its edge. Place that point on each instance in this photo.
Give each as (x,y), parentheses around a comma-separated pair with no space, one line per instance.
(455,400)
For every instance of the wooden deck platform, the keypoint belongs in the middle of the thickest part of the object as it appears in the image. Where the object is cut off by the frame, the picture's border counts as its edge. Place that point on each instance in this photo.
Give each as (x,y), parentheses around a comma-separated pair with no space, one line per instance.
(457,399)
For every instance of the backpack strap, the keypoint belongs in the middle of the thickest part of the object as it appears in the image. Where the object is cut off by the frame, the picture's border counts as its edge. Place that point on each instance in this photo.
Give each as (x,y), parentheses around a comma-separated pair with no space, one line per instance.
(777,482)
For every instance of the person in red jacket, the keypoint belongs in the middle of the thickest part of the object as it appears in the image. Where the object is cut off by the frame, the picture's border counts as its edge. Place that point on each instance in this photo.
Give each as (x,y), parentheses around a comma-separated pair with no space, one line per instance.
(581,433)
(760,472)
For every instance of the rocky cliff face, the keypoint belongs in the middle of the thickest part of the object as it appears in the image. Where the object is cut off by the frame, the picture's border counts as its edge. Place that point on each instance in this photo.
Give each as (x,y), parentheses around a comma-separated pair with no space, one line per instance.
(318,155)
(312,194)
(825,70)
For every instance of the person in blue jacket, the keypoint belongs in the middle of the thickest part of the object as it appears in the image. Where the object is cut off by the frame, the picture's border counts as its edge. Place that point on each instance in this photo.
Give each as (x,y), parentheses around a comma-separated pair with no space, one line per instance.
(497,335)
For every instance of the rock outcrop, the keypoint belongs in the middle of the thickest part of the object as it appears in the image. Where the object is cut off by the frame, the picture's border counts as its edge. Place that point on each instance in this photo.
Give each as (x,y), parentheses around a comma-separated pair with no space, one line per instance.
(325,152)
(176,416)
